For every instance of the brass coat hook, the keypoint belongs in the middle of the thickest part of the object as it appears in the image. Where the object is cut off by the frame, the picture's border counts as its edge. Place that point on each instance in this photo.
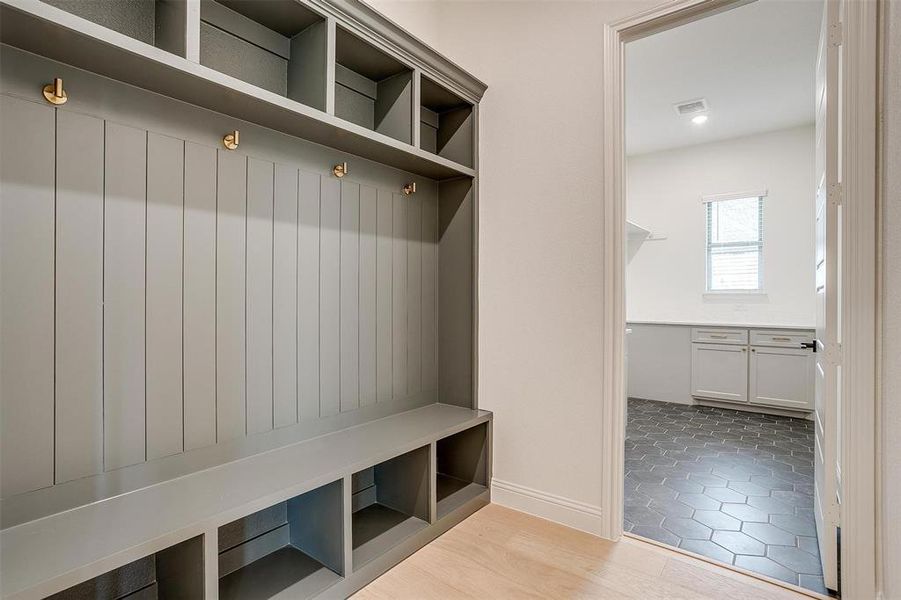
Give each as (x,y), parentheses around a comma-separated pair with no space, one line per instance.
(340,170)
(54,92)
(232,140)
(410,188)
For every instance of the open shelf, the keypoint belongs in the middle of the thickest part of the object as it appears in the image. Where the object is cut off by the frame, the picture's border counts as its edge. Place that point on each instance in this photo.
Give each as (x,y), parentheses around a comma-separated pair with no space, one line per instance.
(372,89)
(446,123)
(390,503)
(176,572)
(294,547)
(462,468)
(278,45)
(160,23)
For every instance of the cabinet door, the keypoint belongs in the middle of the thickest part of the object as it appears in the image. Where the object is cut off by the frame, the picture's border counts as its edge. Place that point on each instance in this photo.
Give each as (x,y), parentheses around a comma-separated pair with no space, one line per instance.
(719,372)
(781,377)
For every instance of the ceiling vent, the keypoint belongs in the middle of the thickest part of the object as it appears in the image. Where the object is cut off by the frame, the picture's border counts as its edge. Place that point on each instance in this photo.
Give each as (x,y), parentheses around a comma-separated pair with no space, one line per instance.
(691,107)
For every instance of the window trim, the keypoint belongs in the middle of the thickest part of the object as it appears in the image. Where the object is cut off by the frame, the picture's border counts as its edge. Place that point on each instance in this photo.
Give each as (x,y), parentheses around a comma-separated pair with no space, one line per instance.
(707,201)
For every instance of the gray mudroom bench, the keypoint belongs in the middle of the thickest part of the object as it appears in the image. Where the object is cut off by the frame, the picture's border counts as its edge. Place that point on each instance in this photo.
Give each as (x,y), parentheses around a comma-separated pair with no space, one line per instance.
(240,323)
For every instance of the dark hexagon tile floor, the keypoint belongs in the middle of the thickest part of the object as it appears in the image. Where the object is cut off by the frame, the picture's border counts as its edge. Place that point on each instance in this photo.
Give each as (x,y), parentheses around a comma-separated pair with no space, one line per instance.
(734,486)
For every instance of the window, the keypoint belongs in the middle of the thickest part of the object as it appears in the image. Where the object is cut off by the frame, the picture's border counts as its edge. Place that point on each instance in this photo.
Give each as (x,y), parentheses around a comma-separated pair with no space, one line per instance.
(734,243)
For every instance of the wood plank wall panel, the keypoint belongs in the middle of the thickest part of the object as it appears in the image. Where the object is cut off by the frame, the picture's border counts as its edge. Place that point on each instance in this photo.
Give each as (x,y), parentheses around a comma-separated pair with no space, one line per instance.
(79,296)
(349,295)
(429,318)
(284,297)
(26,294)
(399,297)
(384,333)
(368,258)
(308,260)
(165,236)
(329,297)
(260,205)
(414,296)
(231,248)
(124,280)
(200,297)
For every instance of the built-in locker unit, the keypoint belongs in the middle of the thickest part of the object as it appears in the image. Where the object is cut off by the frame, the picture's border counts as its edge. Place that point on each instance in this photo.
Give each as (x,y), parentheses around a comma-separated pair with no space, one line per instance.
(238,298)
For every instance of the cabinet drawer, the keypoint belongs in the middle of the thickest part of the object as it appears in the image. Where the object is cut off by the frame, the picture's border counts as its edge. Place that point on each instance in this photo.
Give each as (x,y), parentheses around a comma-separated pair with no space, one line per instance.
(781,339)
(719,335)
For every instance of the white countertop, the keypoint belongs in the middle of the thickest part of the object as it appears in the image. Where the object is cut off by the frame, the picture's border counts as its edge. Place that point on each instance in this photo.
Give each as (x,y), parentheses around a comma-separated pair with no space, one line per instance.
(732,325)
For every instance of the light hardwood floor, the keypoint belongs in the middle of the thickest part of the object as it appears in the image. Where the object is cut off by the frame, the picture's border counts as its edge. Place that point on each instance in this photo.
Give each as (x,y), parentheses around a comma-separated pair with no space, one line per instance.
(503,553)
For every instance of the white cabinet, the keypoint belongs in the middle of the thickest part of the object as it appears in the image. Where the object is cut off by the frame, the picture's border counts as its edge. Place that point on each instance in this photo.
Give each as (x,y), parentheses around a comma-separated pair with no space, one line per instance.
(757,367)
(781,377)
(719,371)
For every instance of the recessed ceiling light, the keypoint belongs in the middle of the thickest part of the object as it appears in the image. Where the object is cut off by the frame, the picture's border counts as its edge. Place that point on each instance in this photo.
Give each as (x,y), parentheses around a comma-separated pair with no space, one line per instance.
(699,119)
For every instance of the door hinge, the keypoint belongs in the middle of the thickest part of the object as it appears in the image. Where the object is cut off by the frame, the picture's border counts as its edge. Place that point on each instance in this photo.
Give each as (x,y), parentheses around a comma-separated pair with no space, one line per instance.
(836,34)
(836,193)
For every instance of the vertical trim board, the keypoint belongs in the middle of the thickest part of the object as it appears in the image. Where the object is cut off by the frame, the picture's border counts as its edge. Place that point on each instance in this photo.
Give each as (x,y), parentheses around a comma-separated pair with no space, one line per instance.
(399,296)
(199,320)
(26,295)
(124,342)
(429,246)
(414,296)
(349,295)
(165,236)
(368,348)
(230,295)
(79,296)
(285,309)
(260,206)
(384,286)
(329,297)
(308,250)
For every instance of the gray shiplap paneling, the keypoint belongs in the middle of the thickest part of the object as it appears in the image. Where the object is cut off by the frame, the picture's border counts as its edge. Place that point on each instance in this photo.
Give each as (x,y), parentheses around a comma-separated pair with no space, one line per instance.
(368,347)
(260,204)
(165,235)
(429,294)
(414,296)
(79,296)
(308,258)
(350,296)
(200,296)
(124,356)
(284,297)
(230,295)
(399,297)
(26,295)
(329,297)
(384,292)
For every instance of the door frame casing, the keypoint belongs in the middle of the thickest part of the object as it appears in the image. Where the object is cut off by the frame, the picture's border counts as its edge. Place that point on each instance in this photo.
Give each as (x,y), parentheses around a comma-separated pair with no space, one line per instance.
(858,291)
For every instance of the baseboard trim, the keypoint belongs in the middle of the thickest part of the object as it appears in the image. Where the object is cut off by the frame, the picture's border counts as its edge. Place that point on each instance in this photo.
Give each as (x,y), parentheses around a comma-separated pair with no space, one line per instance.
(572,513)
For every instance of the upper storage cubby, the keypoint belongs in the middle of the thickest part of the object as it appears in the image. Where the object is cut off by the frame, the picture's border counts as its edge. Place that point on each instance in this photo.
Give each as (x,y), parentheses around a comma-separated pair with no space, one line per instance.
(372,89)
(278,45)
(160,23)
(446,123)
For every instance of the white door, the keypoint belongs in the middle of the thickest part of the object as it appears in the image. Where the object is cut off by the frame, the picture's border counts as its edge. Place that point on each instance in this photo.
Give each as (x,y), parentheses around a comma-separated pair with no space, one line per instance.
(719,372)
(827,393)
(781,377)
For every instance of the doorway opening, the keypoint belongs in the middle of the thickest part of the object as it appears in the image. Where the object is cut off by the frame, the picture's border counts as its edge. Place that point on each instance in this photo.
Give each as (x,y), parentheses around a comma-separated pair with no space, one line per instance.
(730,446)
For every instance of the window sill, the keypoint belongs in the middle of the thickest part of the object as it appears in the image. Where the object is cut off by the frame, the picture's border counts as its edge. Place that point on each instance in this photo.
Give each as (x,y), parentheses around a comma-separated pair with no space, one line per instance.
(737,295)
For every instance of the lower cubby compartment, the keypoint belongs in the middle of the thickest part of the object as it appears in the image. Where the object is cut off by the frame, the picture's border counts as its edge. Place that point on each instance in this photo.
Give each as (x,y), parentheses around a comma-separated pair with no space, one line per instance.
(390,503)
(294,548)
(175,572)
(462,468)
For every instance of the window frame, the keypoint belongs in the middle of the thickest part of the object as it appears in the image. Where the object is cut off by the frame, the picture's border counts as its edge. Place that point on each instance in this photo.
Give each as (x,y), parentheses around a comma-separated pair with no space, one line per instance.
(758,244)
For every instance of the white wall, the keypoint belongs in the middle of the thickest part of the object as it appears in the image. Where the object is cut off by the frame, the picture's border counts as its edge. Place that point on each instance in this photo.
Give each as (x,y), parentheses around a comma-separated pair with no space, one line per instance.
(666,279)
(540,241)
(890,418)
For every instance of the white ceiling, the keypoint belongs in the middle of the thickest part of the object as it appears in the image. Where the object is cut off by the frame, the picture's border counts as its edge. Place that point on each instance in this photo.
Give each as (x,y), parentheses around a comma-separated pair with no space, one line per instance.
(754,64)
